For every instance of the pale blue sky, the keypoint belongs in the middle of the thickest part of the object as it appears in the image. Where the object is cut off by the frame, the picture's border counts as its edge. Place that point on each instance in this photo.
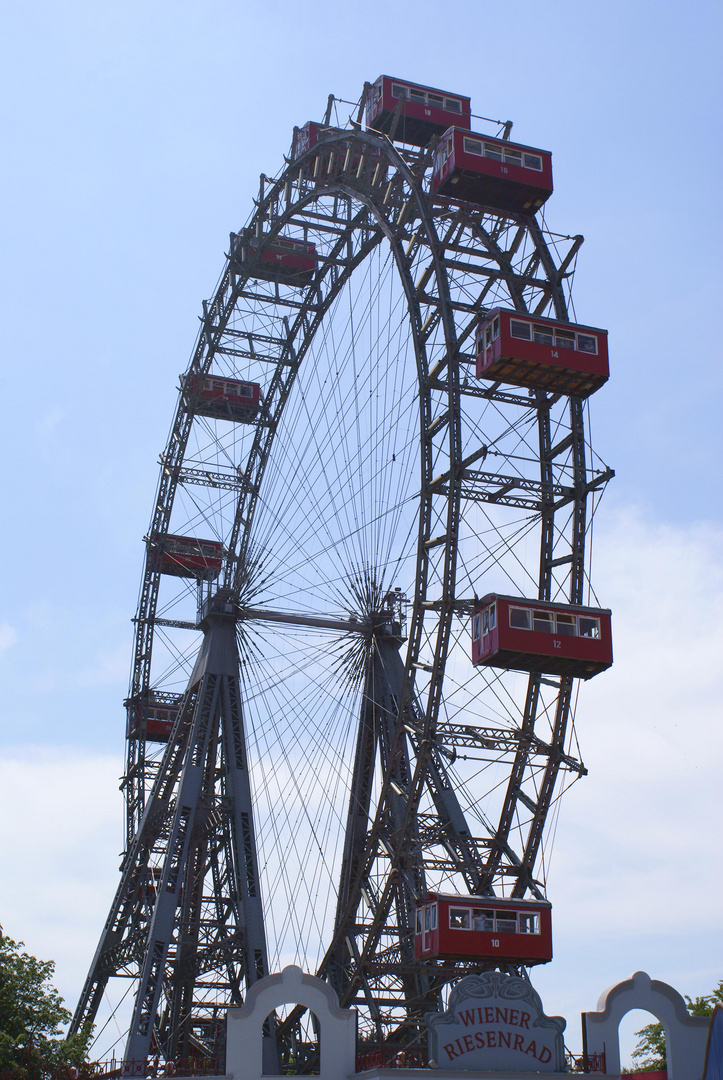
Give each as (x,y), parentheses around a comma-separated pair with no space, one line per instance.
(134,136)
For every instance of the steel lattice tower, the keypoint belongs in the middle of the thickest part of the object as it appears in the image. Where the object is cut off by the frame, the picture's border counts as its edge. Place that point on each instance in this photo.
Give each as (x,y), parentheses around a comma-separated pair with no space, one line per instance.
(191,949)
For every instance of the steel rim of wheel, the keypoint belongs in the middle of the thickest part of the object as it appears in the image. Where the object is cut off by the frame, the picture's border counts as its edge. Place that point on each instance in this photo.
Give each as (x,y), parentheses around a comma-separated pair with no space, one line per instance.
(377,463)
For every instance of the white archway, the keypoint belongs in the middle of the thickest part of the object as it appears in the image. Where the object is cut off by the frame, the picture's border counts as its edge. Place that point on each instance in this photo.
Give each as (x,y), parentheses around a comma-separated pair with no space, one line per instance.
(685,1035)
(244,1058)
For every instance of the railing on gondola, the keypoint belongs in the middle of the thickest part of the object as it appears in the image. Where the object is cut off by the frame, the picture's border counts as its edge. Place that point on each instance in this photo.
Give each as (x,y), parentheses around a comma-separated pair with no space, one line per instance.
(392,1057)
(586,1063)
(396,1057)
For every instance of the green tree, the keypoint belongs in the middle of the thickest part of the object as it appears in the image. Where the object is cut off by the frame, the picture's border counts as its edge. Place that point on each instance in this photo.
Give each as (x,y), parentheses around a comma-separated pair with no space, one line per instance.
(649,1054)
(32,1014)
(650,1049)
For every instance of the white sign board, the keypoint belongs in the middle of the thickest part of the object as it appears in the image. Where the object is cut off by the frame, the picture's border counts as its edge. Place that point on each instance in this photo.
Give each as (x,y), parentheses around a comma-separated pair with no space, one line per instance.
(496,1021)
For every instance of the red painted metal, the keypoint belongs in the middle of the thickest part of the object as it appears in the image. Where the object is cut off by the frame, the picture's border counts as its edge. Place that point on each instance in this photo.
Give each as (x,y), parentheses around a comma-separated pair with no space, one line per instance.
(593,1063)
(187,556)
(310,135)
(392,1057)
(280,258)
(483,927)
(222,398)
(151,718)
(542,354)
(502,175)
(536,636)
(426,111)
(335,156)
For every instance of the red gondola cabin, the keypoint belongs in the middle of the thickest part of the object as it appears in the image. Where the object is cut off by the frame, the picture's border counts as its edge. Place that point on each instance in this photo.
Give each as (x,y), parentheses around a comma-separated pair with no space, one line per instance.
(187,556)
(483,928)
(281,259)
(526,350)
(151,717)
(310,135)
(535,636)
(491,172)
(221,398)
(336,155)
(425,111)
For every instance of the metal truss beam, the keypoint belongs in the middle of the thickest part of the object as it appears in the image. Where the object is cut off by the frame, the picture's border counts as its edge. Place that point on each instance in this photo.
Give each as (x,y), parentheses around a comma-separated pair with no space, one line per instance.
(164,923)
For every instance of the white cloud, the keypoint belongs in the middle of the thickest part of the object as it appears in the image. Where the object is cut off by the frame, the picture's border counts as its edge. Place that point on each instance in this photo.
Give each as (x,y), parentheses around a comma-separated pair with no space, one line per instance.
(650,728)
(60,837)
(8,636)
(634,876)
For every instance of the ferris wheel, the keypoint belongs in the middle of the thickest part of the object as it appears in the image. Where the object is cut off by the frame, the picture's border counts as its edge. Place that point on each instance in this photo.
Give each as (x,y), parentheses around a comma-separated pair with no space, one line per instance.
(380,454)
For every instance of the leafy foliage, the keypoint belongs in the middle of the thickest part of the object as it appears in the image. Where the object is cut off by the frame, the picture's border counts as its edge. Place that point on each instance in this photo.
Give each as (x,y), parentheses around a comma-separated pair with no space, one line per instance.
(32,1014)
(651,1048)
(649,1054)
(704,1006)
